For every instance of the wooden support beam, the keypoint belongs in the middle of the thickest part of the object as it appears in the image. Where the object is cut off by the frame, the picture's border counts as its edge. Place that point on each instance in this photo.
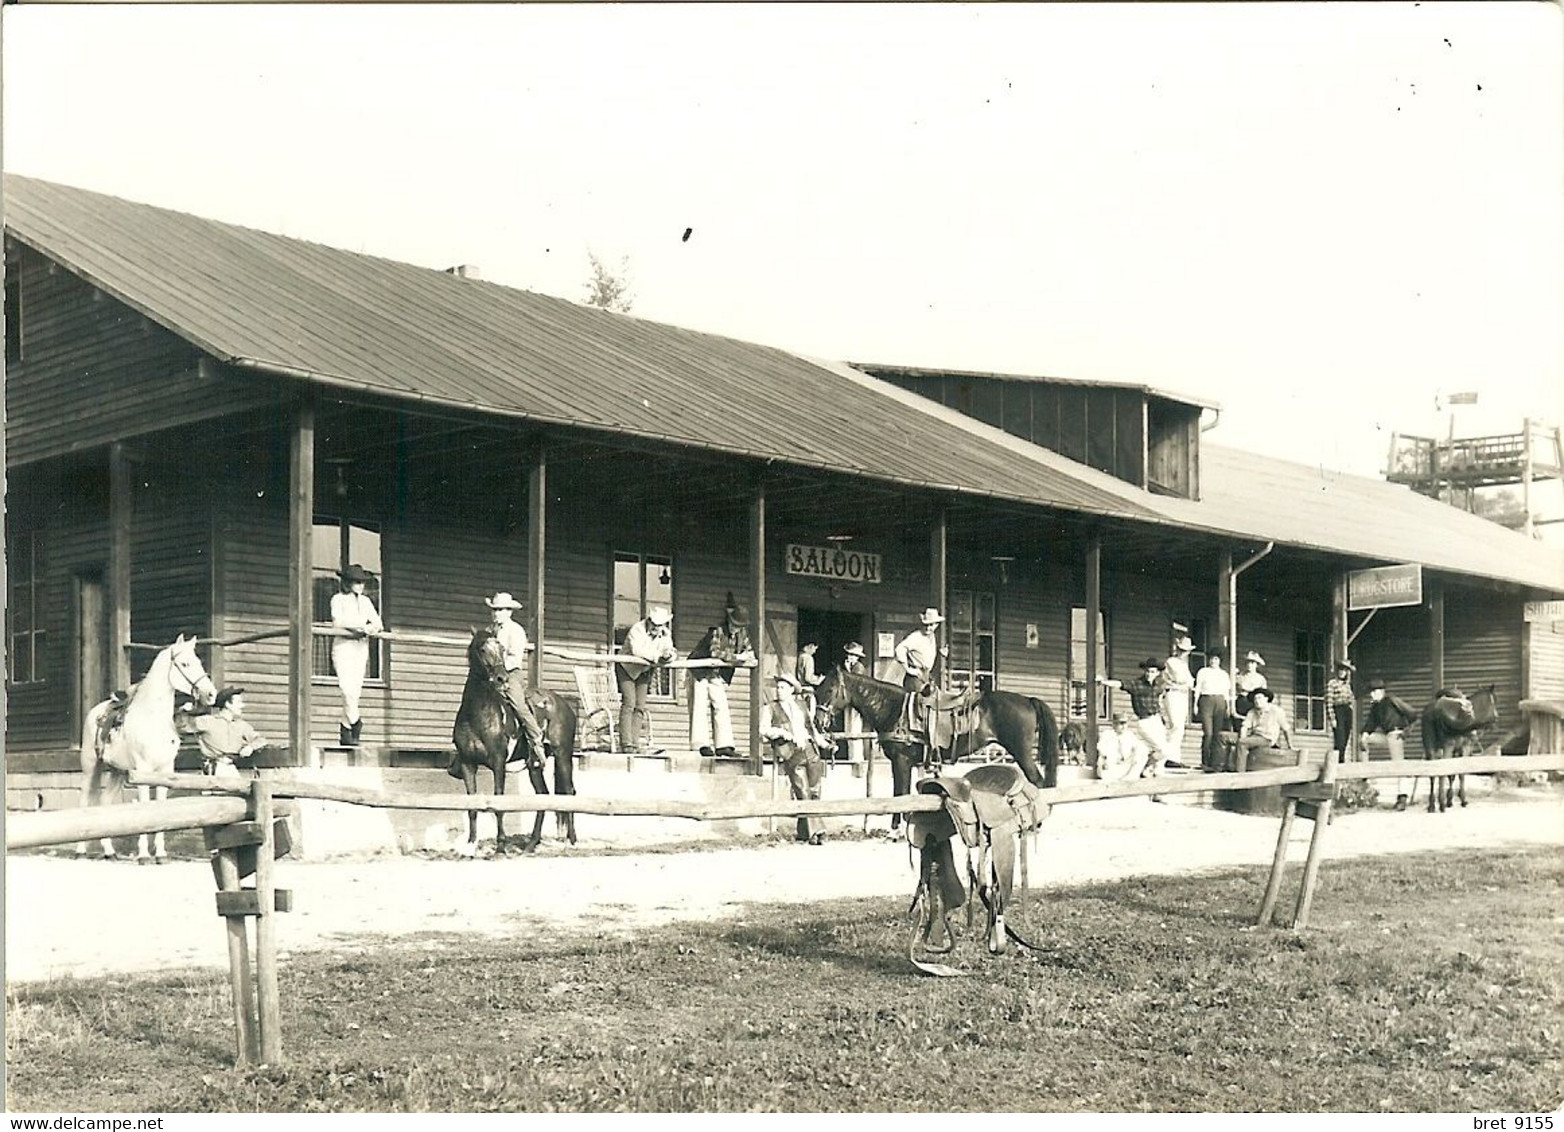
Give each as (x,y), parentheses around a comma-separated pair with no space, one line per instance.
(301,601)
(757,597)
(1436,632)
(939,585)
(121,515)
(1340,648)
(1093,605)
(1227,611)
(537,514)
(267,993)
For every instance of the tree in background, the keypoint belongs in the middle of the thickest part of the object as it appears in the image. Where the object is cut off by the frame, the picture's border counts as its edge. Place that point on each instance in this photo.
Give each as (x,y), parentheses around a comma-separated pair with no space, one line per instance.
(609,289)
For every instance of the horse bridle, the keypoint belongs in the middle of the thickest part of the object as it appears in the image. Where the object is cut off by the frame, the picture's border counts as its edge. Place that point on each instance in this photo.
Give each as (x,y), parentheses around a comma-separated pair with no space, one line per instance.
(192,685)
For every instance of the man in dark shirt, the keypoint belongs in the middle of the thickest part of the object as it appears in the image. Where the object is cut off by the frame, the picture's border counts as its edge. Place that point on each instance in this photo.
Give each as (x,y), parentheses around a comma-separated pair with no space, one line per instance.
(728,642)
(1386,718)
(1145,693)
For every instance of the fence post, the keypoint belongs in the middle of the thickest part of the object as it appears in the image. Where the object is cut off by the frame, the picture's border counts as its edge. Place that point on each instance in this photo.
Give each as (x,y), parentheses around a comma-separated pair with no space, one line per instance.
(262,812)
(1311,867)
(1273,886)
(241,981)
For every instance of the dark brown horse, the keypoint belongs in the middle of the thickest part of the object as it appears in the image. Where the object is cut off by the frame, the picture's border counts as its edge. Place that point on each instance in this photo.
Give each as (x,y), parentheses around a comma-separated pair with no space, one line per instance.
(487,730)
(1449,726)
(1024,726)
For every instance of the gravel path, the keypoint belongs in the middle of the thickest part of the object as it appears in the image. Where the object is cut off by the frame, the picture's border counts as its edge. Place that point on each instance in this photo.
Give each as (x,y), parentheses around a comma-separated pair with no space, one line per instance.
(68,917)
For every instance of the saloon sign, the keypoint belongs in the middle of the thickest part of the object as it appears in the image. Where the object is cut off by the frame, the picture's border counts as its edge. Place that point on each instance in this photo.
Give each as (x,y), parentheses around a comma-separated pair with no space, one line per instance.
(833,563)
(1385,586)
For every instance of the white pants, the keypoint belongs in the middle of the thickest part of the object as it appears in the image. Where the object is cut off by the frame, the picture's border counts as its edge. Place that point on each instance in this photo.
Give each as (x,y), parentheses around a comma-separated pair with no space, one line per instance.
(1155,733)
(350,658)
(708,702)
(1177,703)
(1377,746)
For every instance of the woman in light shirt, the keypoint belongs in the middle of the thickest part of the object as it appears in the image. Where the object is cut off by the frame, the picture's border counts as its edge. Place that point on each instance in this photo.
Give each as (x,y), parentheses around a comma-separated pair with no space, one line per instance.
(1214,702)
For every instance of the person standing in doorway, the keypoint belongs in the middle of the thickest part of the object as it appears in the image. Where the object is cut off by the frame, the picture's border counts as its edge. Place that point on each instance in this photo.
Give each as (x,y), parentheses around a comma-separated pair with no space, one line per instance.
(852,658)
(354,610)
(1214,702)
(1341,709)
(649,641)
(918,653)
(1179,683)
(852,722)
(1247,681)
(710,715)
(785,724)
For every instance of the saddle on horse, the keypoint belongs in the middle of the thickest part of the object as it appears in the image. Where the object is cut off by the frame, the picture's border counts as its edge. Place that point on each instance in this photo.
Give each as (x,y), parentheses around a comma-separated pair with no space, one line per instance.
(991,808)
(936,718)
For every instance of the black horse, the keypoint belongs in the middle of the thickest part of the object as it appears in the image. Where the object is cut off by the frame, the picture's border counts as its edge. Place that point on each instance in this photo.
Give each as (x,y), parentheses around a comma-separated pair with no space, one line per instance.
(1024,726)
(1448,727)
(486,727)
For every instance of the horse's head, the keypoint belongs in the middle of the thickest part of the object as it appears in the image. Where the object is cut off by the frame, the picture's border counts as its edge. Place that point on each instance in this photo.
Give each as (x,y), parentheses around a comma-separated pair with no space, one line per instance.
(486,656)
(1485,706)
(186,674)
(832,697)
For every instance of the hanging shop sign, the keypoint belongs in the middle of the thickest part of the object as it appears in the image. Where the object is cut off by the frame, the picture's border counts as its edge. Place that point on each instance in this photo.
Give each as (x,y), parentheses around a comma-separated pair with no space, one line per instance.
(1385,586)
(833,563)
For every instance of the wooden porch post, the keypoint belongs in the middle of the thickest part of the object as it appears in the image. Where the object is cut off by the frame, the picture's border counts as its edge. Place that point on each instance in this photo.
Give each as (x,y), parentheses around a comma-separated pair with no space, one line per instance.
(1093,604)
(121,513)
(301,612)
(1436,632)
(537,514)
(1339,648)
(938,582)
(1227,612)
(757,597)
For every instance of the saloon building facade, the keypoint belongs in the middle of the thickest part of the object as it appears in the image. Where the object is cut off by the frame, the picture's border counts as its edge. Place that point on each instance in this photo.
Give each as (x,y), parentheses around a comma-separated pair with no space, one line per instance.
(205,423)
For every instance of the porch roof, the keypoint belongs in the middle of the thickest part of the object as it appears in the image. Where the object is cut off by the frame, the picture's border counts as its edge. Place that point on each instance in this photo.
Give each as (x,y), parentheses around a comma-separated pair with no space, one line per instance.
(302,310)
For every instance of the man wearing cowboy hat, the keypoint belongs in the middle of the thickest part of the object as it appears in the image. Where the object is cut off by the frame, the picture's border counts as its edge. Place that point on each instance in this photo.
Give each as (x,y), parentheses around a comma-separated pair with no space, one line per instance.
(1341,708)
(852,658)
(786,724)
(1179,683)
(1121,754)
(918,653)
(730,643)
(354,610)
(225,734)
(1146,700)
(649,641)
(513,639)
(1387,718)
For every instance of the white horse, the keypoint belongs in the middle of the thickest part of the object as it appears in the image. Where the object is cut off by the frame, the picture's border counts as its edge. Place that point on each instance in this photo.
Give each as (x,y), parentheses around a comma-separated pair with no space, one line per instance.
(146,740)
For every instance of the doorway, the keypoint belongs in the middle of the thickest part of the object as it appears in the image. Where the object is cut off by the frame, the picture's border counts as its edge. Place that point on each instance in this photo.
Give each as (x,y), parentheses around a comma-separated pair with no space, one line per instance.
(831,629)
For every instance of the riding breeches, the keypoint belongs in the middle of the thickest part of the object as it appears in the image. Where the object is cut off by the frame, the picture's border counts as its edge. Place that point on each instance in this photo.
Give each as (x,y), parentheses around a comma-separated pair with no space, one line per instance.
(709,707)
(350,661)
(804,772)
(515,691)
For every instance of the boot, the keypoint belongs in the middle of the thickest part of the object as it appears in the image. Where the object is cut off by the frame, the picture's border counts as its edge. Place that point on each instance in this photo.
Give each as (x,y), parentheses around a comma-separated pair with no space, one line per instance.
(358,727)
(344,735)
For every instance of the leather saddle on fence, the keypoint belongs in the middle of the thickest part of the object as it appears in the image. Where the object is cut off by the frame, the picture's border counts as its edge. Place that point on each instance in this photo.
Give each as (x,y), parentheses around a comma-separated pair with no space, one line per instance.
(990,808)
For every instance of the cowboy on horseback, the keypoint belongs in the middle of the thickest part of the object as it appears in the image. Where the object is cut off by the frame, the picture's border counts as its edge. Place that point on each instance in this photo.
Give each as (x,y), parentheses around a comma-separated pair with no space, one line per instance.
(918,653)
(513,639)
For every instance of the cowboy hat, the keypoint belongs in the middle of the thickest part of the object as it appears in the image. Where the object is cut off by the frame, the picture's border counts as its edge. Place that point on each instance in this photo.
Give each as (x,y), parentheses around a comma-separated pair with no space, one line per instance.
(658,615)
(225,695)
(853,648)
(786,678)
(354,573)
(1347,664)
(1184,644)
(502,600)
(1151,662)
(736,616)
(1376,685)
(931,616)
(1256,657)
(1262,690)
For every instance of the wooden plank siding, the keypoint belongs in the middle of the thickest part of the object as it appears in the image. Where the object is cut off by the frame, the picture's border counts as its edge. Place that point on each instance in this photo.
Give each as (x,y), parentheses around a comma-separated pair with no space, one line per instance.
(93,371)
(1545,675)
(1483,646)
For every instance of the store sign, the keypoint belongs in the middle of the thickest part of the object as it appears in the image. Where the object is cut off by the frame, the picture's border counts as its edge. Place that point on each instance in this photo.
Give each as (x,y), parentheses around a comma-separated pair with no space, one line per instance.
(1544,611)
(1385,586)
(833,563)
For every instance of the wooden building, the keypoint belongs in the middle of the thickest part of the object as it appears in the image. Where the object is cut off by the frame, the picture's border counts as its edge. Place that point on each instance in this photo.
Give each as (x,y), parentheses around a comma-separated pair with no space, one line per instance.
(204,423)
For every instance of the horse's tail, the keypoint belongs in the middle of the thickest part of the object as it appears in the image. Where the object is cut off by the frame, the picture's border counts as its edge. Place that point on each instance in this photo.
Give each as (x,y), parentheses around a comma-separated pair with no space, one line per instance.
(1047,741)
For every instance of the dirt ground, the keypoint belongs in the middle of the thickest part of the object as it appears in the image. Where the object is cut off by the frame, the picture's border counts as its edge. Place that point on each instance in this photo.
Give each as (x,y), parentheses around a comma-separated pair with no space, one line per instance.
(68,917)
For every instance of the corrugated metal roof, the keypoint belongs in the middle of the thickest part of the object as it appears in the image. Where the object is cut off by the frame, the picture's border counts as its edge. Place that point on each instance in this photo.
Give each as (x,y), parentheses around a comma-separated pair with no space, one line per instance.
(878,368)
(1251,497)
(256,299)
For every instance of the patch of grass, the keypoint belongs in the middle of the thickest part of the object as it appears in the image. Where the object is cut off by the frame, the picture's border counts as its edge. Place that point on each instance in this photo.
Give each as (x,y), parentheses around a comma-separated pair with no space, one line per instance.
(1431,982)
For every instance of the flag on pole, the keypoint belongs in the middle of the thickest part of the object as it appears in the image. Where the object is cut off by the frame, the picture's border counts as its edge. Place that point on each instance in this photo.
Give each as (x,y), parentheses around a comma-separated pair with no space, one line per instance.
(1462,399)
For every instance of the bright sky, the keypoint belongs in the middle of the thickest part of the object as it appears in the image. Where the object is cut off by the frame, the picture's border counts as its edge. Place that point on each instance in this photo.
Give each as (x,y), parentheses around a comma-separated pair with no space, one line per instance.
(1319,216)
